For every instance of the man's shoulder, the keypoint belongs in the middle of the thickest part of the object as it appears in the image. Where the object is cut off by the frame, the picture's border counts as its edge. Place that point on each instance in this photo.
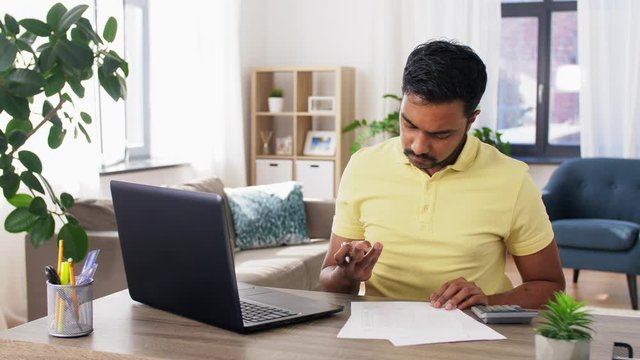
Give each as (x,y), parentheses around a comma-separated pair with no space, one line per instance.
(490,159)
(389,149)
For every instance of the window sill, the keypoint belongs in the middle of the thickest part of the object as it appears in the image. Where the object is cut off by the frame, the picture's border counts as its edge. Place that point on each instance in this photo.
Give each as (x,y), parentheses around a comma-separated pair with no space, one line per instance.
(540,160)
(138,165)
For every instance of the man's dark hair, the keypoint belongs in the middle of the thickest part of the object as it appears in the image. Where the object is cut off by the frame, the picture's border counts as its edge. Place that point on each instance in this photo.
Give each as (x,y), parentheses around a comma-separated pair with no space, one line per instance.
(443,71)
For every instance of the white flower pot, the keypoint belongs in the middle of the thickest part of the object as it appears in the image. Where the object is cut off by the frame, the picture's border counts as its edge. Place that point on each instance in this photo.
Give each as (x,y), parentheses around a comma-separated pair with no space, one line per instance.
(552,349)
(275,104)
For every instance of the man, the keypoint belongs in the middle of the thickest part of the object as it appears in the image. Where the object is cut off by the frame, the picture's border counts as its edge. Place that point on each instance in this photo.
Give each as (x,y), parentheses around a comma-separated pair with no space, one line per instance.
(444,206)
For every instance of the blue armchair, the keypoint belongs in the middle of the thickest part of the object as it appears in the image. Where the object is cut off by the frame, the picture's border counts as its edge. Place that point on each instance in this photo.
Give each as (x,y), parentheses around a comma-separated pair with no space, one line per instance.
(594,207)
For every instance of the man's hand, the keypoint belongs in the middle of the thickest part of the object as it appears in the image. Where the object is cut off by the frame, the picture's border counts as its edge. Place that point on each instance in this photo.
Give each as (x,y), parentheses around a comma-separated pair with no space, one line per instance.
(357,259)
(458,294)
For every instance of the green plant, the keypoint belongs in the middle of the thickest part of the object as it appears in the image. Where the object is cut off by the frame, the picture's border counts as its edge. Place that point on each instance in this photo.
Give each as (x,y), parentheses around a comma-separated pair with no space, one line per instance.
(490,137)
(389,125)
(565,319)
(67,50)
(276,92)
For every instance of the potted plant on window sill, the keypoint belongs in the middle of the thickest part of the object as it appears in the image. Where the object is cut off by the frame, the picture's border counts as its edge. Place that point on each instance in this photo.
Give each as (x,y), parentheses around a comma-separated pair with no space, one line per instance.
(275,100)
(43,64)
(565,332)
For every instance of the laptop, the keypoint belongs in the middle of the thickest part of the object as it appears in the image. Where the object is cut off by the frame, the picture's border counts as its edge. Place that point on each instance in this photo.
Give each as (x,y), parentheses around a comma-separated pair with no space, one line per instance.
(177,258)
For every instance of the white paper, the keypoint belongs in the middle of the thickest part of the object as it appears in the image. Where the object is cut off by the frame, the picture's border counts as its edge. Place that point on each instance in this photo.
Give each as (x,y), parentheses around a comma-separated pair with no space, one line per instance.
(412,323)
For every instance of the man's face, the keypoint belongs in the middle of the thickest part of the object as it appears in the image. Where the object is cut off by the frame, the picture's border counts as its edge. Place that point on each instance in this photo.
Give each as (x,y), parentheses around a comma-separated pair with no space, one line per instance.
(432,134)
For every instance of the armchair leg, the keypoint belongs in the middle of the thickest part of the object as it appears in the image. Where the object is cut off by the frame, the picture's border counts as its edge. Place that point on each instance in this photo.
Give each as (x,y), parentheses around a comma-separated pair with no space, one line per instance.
(633,290)
(576,273)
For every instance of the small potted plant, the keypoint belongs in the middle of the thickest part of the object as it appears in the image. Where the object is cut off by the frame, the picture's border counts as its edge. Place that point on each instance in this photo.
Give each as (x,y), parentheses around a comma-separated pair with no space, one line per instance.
(565,332)
(275,100)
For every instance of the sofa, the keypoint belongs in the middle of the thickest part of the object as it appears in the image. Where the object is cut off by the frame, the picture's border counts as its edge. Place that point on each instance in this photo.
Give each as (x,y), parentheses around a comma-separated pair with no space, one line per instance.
(288,266)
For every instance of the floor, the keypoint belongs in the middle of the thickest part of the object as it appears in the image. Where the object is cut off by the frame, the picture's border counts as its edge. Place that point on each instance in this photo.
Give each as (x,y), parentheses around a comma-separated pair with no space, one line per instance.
(597,289)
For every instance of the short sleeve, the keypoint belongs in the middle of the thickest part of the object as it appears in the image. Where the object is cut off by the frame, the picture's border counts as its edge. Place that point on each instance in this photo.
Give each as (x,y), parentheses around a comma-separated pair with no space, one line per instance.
(531,229)
(346,221)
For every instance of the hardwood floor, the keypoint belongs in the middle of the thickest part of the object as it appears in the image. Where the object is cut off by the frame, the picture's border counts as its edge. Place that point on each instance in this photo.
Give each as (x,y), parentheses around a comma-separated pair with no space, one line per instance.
(594,288)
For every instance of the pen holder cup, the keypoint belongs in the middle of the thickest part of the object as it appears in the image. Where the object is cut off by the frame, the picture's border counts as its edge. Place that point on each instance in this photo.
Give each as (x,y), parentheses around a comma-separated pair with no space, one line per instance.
(70,309)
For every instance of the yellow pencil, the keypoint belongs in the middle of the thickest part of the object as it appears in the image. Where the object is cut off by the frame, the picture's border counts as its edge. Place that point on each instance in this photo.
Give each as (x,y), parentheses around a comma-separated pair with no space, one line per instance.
(60,252)
(74,294)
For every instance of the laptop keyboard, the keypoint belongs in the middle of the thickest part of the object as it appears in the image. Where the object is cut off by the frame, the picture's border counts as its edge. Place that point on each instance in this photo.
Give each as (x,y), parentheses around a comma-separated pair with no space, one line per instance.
(257,313)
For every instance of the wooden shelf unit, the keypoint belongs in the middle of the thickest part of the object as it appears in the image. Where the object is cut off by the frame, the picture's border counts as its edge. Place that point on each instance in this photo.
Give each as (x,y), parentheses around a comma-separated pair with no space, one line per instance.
(295,120)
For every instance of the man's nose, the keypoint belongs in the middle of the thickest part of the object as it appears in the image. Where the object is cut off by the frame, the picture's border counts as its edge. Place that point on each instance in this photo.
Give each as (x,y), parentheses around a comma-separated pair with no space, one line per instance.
(421,144)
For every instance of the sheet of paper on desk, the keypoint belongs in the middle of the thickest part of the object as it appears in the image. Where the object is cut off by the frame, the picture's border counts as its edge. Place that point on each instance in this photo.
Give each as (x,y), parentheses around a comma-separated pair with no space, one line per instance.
(412,323)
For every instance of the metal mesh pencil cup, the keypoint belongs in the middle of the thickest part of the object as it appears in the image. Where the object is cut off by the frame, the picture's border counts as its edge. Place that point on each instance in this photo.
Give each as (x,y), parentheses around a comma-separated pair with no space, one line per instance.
(70,309)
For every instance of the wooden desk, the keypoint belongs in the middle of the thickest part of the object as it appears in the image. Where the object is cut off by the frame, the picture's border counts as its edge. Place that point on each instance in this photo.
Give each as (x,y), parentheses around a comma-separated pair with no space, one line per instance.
(126,327)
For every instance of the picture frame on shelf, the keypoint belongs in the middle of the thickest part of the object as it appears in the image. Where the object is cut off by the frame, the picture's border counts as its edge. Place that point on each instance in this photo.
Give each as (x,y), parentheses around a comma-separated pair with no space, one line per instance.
(284,145)
(320,143)
(321,104)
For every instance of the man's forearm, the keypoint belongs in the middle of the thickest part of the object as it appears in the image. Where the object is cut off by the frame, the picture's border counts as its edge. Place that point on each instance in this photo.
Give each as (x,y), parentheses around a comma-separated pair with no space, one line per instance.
(530,295)
(332,279)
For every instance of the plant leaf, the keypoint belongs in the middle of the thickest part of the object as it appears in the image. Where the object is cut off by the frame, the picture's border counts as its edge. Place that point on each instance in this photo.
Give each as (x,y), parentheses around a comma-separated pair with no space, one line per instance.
(19,220)
(36,26)
(20,200)
(110,29)
(54,83)
(30,161)
(46,109)
(67,200)
(56,136)
(38,206)
(71,17)
(10,182)
(109,84)
(15,106)
(11,24)
(31,181)
(76,56)
(3,144)
(55,14)
(42,230)
(25,82)
(75,239)
(8,52)
(19,124)
(84,25)
(17,138)
(84,131)
(77,88)
(85,117)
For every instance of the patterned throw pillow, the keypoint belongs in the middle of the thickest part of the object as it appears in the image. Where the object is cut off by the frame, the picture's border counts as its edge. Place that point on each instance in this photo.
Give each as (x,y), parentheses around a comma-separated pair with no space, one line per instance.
(268,215)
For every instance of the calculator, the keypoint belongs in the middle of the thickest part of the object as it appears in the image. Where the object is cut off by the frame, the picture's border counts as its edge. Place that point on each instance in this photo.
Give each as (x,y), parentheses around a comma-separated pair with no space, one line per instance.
(503,314)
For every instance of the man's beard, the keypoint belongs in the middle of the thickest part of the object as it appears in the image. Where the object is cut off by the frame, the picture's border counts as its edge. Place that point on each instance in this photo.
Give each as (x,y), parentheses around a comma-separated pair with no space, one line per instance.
(433,162)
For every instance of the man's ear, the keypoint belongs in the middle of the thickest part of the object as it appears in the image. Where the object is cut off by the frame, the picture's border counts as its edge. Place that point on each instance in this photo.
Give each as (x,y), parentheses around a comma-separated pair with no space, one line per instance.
(471,119)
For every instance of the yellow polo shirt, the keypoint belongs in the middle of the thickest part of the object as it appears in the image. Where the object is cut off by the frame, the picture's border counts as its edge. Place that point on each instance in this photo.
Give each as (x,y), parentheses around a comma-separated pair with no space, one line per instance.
(457,223)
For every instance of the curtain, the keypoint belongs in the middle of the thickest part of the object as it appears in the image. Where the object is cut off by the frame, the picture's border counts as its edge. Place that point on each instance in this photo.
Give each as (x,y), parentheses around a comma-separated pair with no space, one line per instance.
(196,104)
(609,54)
(408,23)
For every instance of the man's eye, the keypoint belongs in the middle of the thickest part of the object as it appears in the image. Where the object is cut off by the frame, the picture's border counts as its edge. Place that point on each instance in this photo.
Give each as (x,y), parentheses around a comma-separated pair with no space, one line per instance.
(442,136)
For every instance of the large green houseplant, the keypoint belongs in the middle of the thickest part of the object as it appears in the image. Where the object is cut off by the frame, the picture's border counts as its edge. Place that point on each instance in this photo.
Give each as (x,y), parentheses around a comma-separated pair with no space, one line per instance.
(43,66)
(390,126)
(565,331)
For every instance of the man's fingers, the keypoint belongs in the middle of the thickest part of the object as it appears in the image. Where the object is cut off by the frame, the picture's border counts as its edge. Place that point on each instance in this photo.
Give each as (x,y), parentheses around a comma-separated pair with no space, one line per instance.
(371,258)
(479,299)
(342,254)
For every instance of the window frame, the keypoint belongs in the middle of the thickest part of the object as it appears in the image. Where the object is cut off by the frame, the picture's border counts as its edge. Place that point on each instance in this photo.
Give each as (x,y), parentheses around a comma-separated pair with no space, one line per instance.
(543,11)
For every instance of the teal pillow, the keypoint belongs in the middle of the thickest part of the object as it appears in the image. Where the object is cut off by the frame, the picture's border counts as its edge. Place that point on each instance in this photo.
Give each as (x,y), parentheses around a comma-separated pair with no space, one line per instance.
(268,215)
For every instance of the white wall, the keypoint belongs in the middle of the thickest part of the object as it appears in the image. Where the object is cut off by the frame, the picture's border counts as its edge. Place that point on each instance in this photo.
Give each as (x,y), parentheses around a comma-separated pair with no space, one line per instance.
(322,33)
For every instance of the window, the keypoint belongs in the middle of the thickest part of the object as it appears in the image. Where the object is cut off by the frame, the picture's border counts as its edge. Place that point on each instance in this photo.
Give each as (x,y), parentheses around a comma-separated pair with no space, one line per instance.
(539,78)
(125,131)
